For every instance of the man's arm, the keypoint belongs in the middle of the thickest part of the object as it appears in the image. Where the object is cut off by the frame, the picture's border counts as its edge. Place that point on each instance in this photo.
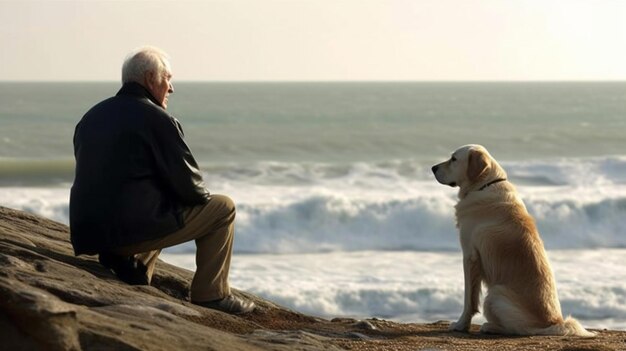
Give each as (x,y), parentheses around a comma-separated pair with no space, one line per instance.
(175,162)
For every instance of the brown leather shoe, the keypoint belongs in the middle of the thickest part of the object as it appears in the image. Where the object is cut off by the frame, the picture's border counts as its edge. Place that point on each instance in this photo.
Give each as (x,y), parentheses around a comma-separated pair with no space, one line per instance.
(230,304)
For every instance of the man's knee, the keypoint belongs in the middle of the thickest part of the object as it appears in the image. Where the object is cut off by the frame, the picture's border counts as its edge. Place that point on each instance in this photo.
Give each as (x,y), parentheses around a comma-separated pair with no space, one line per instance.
(224,203)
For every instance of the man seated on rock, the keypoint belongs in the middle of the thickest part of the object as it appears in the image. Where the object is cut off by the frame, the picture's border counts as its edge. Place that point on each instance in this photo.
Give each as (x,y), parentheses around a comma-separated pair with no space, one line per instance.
(137,188)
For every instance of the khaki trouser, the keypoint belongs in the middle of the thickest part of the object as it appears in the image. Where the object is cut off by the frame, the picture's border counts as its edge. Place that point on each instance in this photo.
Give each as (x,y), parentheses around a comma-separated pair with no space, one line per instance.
(212,227)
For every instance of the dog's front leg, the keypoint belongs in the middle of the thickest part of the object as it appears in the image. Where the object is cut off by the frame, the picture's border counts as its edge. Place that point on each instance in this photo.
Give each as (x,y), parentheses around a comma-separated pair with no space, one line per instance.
(473,280)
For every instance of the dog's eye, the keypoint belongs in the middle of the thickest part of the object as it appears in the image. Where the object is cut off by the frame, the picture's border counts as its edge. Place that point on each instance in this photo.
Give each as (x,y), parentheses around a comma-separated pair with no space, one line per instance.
(453,159)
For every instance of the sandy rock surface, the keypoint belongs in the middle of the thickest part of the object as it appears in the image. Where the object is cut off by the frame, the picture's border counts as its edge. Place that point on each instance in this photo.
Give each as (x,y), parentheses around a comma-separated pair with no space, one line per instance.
(52,300)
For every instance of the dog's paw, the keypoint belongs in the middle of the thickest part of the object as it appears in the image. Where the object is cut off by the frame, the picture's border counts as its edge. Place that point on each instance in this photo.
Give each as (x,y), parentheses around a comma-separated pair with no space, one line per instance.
(460,326)
(491,328)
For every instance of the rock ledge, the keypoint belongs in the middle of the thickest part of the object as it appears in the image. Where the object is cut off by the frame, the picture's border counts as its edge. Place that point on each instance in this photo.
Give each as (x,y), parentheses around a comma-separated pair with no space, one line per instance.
(52,300)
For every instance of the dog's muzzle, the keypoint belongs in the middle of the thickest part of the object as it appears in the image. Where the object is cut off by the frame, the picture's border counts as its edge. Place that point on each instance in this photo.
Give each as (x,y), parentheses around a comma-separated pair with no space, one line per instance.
(434,169)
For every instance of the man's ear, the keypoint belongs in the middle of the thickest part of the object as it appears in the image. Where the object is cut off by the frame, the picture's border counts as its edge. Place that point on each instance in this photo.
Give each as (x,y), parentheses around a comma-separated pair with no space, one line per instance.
(148,80)
(477,164)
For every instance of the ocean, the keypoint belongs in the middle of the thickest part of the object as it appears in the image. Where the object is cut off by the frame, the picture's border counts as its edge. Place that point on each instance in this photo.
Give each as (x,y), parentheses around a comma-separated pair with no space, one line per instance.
(338,211)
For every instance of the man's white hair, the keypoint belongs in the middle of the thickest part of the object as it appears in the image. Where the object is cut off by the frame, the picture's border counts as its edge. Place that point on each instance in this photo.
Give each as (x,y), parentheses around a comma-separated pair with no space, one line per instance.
(143,60)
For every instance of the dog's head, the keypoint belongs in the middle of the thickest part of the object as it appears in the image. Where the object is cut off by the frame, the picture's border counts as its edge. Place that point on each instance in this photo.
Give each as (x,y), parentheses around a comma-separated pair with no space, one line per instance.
(470,167)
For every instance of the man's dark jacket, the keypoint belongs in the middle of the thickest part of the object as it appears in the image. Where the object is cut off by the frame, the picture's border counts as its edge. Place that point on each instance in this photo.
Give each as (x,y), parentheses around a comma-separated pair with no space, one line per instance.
(134,174)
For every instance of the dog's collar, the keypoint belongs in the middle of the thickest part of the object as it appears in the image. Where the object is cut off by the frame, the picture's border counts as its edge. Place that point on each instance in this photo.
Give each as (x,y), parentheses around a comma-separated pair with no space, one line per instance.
(492,183)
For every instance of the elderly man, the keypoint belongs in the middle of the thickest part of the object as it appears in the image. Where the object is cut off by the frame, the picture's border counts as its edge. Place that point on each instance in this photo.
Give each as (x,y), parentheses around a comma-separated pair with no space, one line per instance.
(137,188)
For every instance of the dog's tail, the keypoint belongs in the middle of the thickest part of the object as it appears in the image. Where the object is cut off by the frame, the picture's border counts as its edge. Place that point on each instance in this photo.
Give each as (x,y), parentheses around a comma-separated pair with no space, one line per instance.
(569,327)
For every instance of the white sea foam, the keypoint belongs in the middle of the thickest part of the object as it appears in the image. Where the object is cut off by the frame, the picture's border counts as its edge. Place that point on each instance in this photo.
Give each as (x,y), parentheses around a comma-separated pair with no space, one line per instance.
(417,286)
(50,202)
(295,208)
(578,203)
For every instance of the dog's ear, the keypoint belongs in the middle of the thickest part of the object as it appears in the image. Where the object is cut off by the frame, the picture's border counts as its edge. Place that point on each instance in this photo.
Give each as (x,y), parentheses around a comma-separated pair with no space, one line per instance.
(477,164)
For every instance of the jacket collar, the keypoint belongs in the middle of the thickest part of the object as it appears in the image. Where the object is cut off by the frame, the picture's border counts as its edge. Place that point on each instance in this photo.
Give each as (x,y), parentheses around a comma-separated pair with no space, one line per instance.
(137,90)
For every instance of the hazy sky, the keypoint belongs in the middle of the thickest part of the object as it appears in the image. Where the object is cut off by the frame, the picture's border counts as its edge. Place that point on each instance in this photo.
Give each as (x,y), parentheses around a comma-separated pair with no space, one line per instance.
(319,39)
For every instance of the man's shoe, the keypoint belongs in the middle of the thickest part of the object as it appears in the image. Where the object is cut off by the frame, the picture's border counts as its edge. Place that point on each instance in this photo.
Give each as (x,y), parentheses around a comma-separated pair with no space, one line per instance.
(126,268)
(230,304)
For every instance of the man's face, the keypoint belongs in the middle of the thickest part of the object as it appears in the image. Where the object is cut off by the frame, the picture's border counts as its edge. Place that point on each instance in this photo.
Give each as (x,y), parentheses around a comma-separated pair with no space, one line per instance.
(160,85)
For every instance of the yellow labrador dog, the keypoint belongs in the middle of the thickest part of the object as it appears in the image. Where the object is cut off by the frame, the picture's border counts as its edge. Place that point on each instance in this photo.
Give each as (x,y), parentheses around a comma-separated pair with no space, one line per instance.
(501,249)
